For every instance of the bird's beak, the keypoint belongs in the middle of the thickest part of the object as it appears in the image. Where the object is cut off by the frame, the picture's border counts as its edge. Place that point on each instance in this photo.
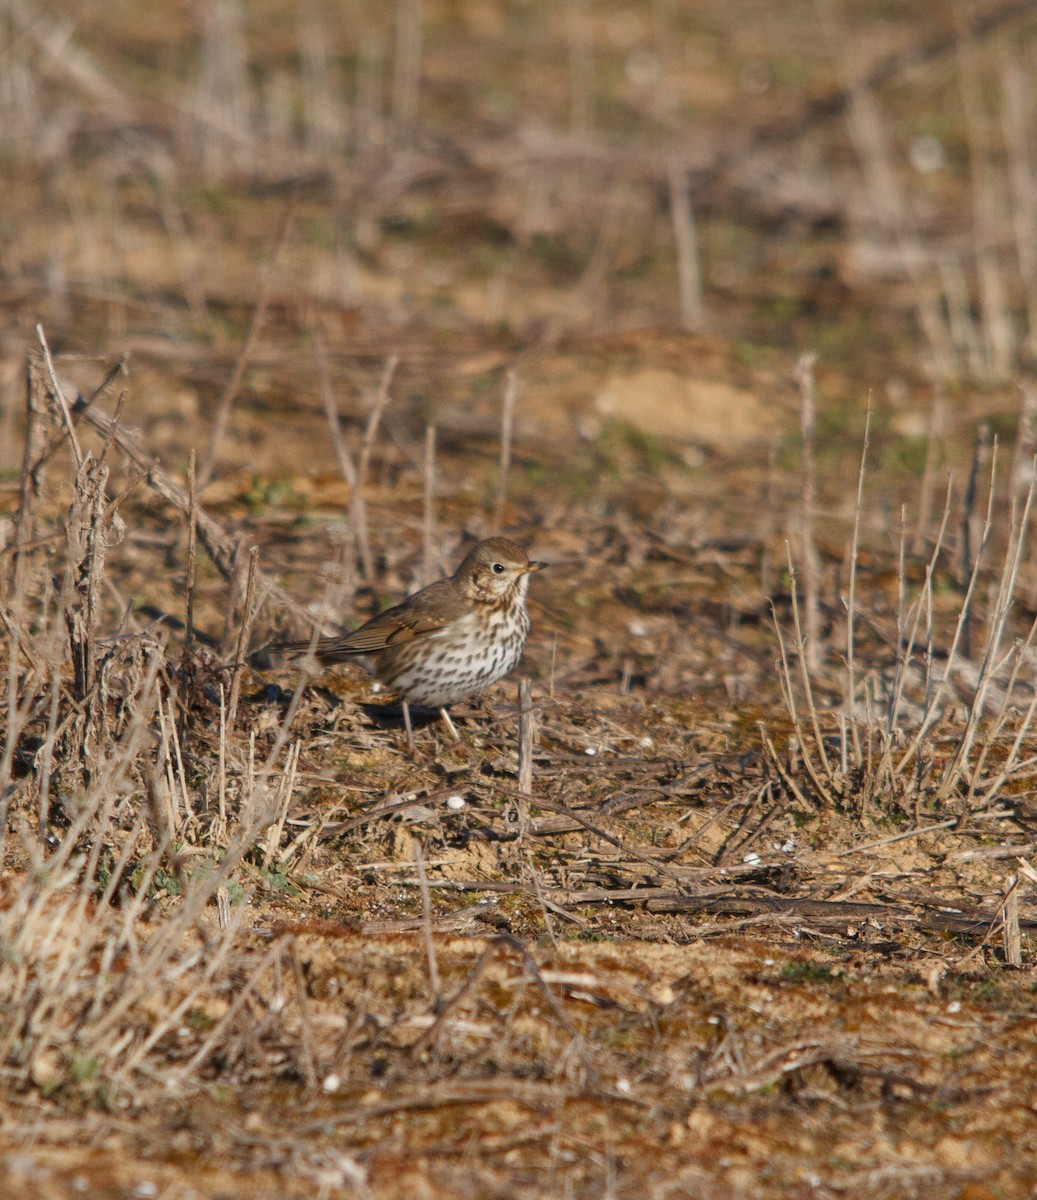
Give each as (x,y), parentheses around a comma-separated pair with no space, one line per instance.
(534,566)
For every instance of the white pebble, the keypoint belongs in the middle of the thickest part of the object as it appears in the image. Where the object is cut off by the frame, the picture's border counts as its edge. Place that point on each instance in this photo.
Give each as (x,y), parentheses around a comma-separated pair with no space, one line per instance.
(751,858)
(455,802)
(927,154)
(331,1083)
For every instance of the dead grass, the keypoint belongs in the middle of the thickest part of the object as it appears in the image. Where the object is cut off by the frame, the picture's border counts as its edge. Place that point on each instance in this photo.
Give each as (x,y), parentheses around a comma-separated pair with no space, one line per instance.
(199,905)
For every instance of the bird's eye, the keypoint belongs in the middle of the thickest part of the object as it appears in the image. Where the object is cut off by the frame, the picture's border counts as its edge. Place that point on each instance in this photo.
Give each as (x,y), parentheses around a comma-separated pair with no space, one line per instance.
(497,569)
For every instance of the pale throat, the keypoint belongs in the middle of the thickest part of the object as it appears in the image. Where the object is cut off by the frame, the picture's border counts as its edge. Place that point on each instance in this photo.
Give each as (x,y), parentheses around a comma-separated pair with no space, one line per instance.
(486,591)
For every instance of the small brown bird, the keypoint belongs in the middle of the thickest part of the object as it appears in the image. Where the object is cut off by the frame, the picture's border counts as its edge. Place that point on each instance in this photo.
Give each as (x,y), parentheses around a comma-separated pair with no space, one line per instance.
(449,640)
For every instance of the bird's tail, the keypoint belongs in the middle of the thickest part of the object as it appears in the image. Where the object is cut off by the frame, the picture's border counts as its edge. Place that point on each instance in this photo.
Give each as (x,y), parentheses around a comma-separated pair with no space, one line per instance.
(300,649)
(323,649)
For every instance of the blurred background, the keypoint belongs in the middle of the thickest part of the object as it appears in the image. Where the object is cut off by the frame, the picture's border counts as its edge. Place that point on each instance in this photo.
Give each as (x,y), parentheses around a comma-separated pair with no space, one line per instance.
(649,209)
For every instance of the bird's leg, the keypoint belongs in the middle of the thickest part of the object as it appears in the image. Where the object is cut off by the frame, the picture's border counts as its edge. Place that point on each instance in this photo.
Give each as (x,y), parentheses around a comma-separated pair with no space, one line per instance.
(407,725)
(450,725)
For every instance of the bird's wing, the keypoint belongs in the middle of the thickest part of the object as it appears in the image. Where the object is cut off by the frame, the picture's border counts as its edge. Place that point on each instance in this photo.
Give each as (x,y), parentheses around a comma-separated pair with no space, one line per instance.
(424,613)
(387,629)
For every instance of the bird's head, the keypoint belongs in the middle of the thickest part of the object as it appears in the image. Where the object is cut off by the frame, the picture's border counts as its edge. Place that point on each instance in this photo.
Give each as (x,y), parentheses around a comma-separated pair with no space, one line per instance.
(496,571)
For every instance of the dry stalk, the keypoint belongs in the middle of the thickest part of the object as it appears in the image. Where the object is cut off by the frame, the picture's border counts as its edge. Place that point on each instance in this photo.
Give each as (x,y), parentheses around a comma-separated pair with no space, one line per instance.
(181,776)
(233,591)
(769,502)
(987,218)
(30,489)
(247,799)
(247,619)
(282,803)
(382,400)
(447,1006)
(18,705)
(406,77)
(58,393)
(220,546)
(933,455)
(1017,125)
(506,433)
(88,536)
(989,667)
(46,766)
(539,891)
(222,104)
(326,121)
(873,764)
(87,543)
(964,334)
(118,872)
(1024,452)
(1012,765)
(166,955)
(654,861)
(903,652)
(230,392)
(308,1057)
(268,962)
(278,744)
(851,661)
(981,455)
(804,672)
(808,547)
(526,739)
(192,560)
(221,783)
(428,568)
(79,409)
(212,965)
(165,945)
(167,823)
(935,690)
(685,239)
(1012,937)
(907,629)
(921,831)
(56,907)
(33,461)
(171,824)
(426,926)
(880,178)
(357,504)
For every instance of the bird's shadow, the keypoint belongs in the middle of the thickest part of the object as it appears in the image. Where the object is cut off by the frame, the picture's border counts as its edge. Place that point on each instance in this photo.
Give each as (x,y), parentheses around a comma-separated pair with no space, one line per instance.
(386,715)
(390,716)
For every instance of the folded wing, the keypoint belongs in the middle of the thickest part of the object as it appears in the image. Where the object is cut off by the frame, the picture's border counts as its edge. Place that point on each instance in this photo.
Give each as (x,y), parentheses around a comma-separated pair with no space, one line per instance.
(423,615)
